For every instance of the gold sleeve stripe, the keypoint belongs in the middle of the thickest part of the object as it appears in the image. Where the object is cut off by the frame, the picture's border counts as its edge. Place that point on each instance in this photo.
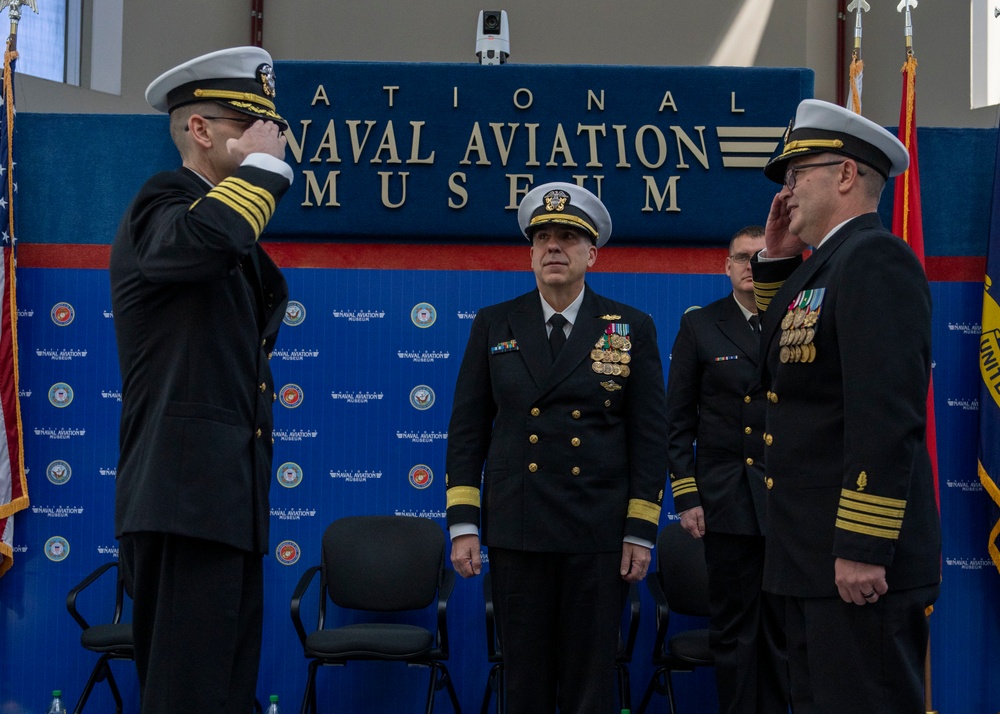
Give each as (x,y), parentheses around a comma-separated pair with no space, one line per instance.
(896,513)
(867,530)
(848,495)
(261,194)
(893,523)
(251,196)
(764,293)
(463,496)
(684,486)
(250,210)
(644,510)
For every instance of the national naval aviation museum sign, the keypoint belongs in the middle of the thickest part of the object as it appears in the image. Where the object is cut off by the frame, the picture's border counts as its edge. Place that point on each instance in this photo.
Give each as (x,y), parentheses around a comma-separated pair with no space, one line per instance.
(445,152)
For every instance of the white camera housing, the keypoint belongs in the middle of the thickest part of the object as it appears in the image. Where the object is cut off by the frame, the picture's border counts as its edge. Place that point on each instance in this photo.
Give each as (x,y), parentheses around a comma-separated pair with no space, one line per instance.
(492,37)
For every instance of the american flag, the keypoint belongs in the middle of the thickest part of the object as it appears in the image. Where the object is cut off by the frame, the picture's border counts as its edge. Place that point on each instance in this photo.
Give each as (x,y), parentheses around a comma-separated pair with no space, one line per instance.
(13,484)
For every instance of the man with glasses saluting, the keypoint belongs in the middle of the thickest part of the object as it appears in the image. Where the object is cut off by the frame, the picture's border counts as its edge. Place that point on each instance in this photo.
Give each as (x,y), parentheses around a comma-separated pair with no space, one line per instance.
(197,305)
(854,538)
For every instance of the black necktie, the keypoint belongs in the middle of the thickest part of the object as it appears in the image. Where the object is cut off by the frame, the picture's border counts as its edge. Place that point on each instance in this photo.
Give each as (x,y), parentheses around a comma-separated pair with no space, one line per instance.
(557,337)
(754,324)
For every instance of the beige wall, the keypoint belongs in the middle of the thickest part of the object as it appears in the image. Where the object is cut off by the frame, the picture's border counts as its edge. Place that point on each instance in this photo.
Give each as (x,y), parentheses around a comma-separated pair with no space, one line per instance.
(801,33)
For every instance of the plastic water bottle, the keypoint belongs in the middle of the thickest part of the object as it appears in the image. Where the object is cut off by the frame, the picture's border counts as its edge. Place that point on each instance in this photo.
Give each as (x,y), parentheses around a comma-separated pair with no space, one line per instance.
(273,707)
(56,707)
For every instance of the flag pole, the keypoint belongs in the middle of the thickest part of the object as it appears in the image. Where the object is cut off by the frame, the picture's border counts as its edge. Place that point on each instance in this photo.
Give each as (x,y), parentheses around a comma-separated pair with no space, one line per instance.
(13,484)
(856,71)
(911,231)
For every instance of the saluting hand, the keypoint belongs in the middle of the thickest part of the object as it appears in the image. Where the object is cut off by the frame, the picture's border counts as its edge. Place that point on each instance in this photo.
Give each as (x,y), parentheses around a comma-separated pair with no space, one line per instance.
(779,241)
(262,137)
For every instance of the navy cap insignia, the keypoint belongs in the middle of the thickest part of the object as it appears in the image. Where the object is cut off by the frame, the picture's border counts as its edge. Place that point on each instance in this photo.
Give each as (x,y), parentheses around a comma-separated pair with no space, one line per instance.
(556,200)
(265,74)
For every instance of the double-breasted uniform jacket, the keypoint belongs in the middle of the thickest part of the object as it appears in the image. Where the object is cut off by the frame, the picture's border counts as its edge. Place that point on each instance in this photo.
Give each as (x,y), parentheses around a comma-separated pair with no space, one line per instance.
(847,465)
(574,459)
(197,307)
(714,397)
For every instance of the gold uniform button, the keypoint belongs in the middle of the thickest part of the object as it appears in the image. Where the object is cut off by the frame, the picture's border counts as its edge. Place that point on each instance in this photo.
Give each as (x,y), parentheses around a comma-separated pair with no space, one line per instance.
(575,414)
(746,399)
(532,468)
(747,430)
(575,471)
(773,396)
(259,432)
(268,356)
(535,411)
(574,441)
(533,438)
(263,342)
(263,387)
(607,402)
(770,483)
(274,396)
(768,439)
(749,461)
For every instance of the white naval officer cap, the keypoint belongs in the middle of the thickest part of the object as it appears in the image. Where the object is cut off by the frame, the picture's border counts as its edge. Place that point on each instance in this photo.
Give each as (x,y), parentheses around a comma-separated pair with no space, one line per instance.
(821,127)
(239,78)
(566,204)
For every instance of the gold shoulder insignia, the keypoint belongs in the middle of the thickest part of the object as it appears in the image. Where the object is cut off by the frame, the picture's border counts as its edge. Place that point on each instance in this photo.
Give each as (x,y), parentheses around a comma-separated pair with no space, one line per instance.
(862,481)
(611,317)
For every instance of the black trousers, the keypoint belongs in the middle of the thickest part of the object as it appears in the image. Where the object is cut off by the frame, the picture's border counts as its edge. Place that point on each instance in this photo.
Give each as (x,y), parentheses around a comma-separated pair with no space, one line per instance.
(197,617)
(747,628)
(859,658)
(558,617)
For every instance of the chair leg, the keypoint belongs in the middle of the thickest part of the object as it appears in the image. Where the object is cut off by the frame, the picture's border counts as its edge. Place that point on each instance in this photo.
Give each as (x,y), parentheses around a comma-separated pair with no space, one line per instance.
(648,694)
(309,697)
(491,686)
(624,686)
(432,688)
(447,682)
(498,684)
(114,688)
(94,676)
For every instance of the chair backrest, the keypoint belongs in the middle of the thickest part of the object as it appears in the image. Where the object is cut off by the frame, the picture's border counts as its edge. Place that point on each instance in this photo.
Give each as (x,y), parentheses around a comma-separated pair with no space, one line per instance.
(383,563)
(682,571)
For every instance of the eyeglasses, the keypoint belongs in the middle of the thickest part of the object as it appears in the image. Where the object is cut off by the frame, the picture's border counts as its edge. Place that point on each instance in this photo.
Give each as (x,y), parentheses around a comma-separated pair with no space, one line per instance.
(241,120)
(740,258)
(790,174)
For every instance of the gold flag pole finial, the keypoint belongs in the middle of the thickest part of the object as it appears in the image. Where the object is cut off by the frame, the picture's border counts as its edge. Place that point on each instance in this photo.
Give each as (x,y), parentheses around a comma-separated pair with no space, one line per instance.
(858,6)
(15,16)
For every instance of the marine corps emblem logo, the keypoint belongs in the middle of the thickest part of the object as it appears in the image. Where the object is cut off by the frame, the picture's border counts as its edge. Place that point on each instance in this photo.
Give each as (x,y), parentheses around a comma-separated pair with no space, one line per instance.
(291,396)
(421,476)
(288,552)
(62,313)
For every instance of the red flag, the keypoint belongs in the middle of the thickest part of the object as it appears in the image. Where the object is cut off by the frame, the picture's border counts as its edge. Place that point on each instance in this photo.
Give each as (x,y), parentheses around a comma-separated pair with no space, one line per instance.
(13,484)
(907,221)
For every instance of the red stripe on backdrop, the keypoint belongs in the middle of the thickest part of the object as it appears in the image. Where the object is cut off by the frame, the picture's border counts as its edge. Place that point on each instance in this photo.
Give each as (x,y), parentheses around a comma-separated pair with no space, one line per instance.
(386,256)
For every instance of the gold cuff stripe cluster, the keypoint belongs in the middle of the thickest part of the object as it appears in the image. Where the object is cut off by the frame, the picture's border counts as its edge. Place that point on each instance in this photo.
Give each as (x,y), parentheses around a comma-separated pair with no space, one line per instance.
(644,510)
(864,513)
(684,486)
(255,204)
(764,293)
(463,496)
